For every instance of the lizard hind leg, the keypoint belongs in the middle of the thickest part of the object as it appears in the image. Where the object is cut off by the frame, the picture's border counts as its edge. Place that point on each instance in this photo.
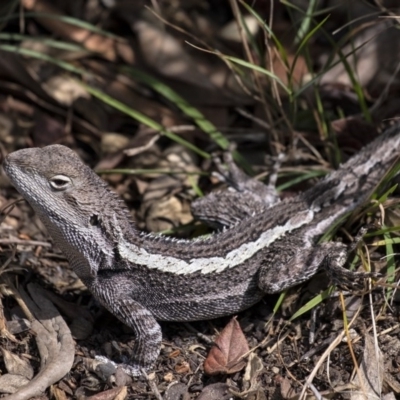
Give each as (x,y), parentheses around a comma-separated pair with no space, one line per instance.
(342,277)
(301,263)
(296,264)
(229,172)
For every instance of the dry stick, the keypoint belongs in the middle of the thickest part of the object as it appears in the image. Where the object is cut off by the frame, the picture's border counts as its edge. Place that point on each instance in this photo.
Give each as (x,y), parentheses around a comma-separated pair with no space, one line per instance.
(353,356)
(373,318)
(326,353)
(54,341)
(25,242)
(152,384)
(18,298)
(257,80)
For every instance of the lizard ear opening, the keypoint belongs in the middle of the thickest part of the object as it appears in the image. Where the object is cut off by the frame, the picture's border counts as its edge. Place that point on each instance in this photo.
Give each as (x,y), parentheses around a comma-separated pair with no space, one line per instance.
(94,220)
(60,182)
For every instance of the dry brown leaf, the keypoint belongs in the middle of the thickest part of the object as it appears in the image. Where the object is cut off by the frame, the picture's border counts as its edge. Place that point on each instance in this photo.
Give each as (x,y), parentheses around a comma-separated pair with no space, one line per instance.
(369,378)
(151,139)
(254,368)
(374,60)
(166,214)
(353,132)
(175,391)
(4,330)
(225,357)
(389,396)
(168,377)
(122,395)
(124,90)
(174,353)
(17,365)
(10,383)
(105,46)
(231,31)
(57,393)
(182,368)
(215,391)
(287,391)
(112,142)
(65,89)
(48,130)
(112,394)
(13,69)
(164,53)
(71,310)
(53,339)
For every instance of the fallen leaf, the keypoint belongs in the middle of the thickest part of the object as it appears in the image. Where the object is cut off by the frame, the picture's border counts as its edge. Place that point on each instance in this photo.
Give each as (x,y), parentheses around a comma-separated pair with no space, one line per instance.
(225,356)
(174,353)
(215,391)
(57,393)
(112,394)
(353,132)
(254,368)
(175,391)
(53,339)
(369,378)
(10,383)
(182,368)
(168,377)
(17,365)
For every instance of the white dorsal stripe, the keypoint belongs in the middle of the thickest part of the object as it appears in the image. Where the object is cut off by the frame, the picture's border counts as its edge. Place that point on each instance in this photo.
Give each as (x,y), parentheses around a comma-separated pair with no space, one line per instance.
(207,265)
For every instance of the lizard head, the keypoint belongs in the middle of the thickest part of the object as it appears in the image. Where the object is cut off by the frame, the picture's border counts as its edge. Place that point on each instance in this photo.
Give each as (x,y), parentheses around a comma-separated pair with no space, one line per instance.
(54,180)
(76,205)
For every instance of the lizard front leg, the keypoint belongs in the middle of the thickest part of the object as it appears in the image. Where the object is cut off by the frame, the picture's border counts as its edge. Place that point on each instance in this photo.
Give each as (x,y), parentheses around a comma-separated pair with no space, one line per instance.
(116,296)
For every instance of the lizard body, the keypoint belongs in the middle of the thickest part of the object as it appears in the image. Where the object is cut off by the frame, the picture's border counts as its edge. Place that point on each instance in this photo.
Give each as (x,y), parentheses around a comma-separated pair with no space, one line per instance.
(267,247)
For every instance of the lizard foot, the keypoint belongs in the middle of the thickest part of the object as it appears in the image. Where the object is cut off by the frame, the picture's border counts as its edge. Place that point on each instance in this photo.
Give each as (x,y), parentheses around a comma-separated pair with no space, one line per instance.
(228,172)
(109,367)
(342,277)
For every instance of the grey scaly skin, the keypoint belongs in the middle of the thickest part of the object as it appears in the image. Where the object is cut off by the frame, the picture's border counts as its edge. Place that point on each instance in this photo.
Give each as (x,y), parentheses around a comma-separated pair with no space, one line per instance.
(142,278)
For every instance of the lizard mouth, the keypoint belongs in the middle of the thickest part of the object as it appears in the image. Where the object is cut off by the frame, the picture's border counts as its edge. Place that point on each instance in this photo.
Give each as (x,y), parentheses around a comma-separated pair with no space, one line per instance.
(18,168)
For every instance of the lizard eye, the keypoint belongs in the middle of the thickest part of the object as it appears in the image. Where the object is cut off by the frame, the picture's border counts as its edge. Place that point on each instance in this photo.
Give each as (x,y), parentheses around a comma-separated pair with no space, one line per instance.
(60,182)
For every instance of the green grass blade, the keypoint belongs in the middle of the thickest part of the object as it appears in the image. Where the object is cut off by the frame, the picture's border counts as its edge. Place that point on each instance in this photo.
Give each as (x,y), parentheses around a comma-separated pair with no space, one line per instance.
(155,171)
(306,23)
(301,178)
(390,265)
(57,44)
(313,303)
(40,56)
(265,26)
(191,112)
(65,19)
(257,68)
(143,119)
(279,302)
(304,42)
